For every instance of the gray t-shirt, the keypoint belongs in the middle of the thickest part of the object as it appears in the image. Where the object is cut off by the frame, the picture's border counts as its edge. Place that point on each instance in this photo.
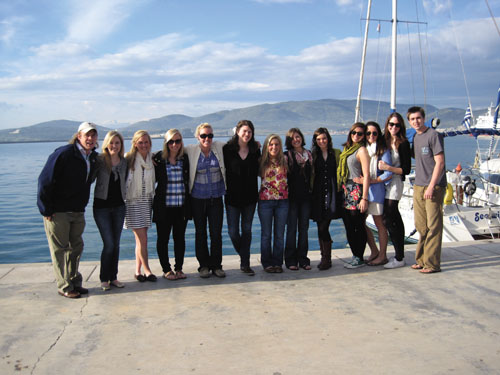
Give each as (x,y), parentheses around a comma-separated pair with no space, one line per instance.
(426,145)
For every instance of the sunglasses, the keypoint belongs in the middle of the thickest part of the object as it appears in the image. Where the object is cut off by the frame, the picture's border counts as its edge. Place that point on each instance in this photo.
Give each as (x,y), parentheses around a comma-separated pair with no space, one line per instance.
(397,125)
(209,136)
(174,141)
(359,134)
(372,133)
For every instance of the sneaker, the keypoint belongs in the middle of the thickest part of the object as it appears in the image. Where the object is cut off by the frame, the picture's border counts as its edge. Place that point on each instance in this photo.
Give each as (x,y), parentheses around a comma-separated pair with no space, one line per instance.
(219,272)
(355,263)
(117,284)
(105,285)
(247,270)
(394,263)
(204,272)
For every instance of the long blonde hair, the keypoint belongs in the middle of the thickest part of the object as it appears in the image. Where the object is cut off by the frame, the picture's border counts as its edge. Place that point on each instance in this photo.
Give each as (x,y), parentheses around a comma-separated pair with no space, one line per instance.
(265,160)
(131,155)
(166,151)
(107,140)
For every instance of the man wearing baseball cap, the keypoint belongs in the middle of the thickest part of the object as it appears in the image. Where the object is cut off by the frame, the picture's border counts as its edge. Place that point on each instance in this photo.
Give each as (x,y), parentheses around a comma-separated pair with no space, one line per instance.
(63,193)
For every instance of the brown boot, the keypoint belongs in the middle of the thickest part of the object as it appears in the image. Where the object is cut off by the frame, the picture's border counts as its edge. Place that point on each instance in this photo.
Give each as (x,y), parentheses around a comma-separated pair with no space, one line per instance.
(326,256)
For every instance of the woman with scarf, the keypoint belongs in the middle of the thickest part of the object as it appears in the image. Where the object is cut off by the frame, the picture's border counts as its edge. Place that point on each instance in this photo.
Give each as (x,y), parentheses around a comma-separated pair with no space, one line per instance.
(377,150)
(354,162)
(109,205)
(140,192)
(395,137)
(326,193)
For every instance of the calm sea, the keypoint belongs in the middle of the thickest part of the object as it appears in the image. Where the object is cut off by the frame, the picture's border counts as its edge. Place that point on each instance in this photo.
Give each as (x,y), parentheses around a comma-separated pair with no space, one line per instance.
(22,237)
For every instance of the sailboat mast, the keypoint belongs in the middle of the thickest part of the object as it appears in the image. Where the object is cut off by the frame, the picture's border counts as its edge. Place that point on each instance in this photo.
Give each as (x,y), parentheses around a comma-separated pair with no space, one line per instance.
(394,51)
(357,113)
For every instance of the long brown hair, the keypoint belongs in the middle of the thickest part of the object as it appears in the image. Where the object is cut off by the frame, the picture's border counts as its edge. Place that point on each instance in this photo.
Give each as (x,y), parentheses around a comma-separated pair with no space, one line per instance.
(380,142)
(401,136)
(349,142)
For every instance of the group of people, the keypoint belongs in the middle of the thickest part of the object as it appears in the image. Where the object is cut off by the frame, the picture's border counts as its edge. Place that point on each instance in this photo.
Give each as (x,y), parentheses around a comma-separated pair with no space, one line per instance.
(184,182)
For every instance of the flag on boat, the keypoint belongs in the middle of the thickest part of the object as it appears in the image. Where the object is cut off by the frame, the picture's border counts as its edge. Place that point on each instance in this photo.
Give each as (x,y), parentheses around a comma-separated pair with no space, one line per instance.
(467,117)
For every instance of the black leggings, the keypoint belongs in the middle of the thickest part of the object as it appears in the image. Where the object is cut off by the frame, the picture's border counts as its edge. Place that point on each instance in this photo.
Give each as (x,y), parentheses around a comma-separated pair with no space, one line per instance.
(395,227)
(354,222)
(324,230)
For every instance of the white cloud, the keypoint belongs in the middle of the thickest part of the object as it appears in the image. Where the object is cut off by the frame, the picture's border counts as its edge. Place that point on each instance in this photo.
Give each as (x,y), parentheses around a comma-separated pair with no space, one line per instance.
(92,20)
(9,28)
(437,6)
(281,1)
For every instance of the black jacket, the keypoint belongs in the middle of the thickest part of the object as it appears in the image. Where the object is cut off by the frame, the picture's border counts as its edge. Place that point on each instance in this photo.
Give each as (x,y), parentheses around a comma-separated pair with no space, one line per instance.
(63,184)
(325,185)
(241,177)
(159,206)
(404,152)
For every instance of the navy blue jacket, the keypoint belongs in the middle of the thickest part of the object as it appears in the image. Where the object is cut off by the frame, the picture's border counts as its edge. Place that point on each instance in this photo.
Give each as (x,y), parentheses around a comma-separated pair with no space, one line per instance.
(63,185)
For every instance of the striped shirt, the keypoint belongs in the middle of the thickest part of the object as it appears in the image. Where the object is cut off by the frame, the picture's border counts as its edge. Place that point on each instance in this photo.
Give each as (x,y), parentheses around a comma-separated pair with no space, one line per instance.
(208,182)
(175,186)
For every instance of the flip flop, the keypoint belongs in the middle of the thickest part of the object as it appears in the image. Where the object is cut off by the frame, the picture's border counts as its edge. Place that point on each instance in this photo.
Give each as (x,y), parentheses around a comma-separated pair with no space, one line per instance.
(371,258)
(180,275)
(416,266)
(428,270)
(170,275)
(381,263)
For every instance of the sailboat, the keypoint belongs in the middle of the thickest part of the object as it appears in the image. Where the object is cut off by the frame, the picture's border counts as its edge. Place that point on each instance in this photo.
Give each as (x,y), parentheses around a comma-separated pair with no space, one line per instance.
(470,212)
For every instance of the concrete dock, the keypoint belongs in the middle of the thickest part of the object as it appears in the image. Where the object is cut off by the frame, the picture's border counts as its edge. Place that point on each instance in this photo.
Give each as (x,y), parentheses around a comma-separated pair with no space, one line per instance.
(365,321)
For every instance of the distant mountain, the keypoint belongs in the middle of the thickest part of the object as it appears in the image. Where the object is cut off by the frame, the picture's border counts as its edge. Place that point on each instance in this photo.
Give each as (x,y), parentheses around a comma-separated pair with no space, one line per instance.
(57,130)
(308,115)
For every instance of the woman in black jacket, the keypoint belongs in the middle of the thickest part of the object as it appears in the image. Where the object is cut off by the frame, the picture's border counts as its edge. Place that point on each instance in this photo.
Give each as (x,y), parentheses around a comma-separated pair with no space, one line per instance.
(326,196)
(395,136)
(241,158)
(171,206)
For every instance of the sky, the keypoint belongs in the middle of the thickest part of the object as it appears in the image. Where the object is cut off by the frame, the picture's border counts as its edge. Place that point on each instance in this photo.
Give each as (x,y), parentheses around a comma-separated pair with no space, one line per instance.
(122,61)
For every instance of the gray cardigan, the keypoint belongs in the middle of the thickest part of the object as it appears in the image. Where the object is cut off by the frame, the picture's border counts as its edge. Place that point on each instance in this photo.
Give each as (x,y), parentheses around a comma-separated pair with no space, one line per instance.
(102,183)
(194,151)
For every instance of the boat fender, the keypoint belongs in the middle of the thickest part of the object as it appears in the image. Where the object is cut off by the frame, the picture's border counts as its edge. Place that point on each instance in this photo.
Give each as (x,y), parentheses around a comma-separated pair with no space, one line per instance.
(470,188)
(448,198)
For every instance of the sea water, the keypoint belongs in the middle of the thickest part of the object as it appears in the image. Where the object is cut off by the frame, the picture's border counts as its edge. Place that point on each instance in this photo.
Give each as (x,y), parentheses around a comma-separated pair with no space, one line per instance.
(22,236)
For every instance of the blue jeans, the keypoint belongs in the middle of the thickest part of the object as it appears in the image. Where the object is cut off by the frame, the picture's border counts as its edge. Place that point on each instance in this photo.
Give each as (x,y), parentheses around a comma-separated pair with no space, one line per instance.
(241,240)
(298,216)
(212,211)
(269,211)
(110,224)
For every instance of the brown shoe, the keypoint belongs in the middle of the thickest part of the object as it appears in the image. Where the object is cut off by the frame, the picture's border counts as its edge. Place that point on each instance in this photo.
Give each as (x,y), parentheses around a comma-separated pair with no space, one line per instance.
(81,290)
(70,294)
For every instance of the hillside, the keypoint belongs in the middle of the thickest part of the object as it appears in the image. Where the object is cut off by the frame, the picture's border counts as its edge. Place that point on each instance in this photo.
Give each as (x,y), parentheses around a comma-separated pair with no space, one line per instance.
(336,115)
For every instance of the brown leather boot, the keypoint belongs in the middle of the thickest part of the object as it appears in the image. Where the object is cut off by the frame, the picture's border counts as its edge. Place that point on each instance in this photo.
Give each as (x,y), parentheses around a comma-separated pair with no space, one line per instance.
(326,256)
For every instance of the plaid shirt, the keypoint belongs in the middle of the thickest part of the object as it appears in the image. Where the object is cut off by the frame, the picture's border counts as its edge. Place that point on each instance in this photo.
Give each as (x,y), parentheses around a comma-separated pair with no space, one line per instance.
(175,186)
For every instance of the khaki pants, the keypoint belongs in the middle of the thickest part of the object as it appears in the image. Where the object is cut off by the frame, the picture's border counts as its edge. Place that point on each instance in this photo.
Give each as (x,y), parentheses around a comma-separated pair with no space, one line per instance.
(64,234)
(429,224)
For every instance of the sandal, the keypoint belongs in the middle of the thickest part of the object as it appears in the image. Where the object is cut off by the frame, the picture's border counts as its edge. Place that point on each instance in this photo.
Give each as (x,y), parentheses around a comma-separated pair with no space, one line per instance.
(180,275)
(416,266)
(372,257)
(306,267)
(429,270)
(270,269)
(381,263)
(170,275)
(293,268)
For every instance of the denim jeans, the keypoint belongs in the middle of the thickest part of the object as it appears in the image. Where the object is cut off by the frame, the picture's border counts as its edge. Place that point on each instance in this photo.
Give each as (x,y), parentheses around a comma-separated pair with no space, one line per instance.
(110,224)
(298,216)
(272,211)
(241,240)
(212,211)
(172,222)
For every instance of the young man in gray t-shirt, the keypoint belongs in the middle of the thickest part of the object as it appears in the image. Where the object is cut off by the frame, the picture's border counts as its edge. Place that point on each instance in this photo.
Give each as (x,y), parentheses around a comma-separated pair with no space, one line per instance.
(428,192)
